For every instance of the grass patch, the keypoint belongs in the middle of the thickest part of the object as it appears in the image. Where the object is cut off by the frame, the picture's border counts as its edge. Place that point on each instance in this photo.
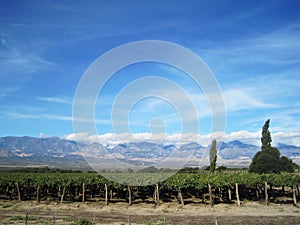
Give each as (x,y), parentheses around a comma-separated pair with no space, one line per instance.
(112,211)
(66,209)
(4,206)
(16,218)
(32,218)
(83,222)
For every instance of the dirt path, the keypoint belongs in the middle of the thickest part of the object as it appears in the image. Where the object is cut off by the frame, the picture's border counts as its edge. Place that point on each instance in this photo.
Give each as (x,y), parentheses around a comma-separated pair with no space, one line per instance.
(249,213)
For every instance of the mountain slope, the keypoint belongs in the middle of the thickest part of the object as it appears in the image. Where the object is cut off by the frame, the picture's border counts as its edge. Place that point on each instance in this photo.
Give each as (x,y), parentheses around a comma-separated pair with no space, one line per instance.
(56,152)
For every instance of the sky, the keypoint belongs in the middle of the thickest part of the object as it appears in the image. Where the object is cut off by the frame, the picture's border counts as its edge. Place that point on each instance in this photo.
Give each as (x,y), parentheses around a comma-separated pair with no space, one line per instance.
(251,47)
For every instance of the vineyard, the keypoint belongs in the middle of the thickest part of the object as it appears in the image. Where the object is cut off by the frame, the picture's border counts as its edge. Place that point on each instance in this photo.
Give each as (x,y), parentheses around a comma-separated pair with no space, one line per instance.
(207,188)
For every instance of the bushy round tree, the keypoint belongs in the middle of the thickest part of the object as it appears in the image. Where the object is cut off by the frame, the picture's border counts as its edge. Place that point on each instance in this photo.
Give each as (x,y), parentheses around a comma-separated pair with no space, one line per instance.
(268,160)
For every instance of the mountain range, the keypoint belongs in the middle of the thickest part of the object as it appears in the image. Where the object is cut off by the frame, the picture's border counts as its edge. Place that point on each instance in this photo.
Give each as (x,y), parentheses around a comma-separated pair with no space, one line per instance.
(61,153)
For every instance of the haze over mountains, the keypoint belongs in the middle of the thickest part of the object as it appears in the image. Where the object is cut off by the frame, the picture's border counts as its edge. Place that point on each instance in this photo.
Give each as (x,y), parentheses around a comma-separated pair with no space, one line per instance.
(61,153)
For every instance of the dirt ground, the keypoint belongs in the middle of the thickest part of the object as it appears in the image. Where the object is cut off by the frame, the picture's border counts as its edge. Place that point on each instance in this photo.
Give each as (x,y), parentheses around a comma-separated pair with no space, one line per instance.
(142,213)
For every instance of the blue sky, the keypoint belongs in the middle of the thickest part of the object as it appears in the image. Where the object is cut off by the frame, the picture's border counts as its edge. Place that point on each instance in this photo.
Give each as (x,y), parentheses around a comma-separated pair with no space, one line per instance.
(252,47)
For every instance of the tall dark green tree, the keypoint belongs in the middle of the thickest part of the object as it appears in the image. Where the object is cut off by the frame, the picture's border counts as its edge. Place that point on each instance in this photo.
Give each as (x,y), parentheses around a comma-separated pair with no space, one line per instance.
(268,160)
(266,139)
(213,156)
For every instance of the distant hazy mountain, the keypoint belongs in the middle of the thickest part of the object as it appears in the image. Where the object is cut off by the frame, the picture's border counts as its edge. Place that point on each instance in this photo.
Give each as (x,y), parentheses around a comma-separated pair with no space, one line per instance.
(141,150)
(237,149)
(30,151)
(289,150)
(56,152)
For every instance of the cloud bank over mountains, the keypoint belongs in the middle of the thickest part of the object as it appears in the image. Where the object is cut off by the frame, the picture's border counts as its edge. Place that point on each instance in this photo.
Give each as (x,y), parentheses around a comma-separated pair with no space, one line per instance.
(253,138)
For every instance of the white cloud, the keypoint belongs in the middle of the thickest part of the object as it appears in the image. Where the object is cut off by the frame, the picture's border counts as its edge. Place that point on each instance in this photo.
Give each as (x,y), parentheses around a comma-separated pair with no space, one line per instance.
(38,116)
(41,116)
(111,139)
(14,58)
(279,47)
(244,136)
(64,100)
(291,138)
(19,62)
(244,98)
(5,91)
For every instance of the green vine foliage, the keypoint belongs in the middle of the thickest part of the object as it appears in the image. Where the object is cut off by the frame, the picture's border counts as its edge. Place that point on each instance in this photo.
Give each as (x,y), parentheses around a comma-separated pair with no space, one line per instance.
(176,182)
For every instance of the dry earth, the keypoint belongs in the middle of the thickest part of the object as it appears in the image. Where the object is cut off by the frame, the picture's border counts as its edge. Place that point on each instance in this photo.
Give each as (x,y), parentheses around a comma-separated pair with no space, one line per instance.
(142,213)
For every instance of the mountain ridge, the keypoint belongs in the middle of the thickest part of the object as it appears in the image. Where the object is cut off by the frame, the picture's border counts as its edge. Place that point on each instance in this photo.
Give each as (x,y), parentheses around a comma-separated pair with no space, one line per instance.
(54,151)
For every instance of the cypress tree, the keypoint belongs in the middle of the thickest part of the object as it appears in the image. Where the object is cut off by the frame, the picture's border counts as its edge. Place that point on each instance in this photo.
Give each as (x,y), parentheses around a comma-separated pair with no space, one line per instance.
(213,156)
(266,139)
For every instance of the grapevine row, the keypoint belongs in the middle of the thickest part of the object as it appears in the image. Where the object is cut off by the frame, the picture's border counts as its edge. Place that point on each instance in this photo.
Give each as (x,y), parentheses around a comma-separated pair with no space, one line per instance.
(89,186)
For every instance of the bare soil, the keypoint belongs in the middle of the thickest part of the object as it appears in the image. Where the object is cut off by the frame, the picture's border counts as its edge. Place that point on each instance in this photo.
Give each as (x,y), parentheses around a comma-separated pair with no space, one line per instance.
(144,213)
